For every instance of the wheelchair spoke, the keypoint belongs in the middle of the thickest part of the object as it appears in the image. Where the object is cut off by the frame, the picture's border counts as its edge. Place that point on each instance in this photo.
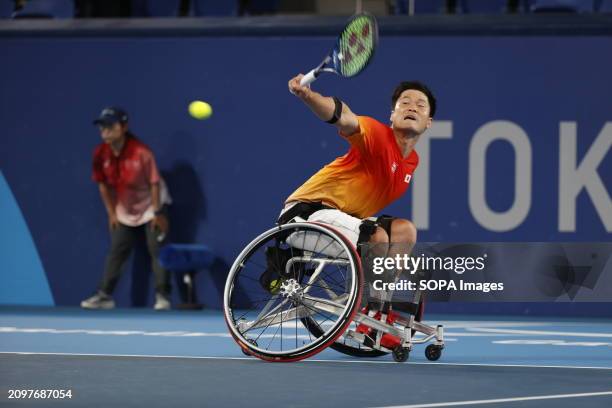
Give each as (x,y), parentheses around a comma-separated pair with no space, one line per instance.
(338,269)
(316,273)
(329,278)
(276,332)
(256,264)
(320,253)
(292,313)
(316,312)
(327,289)
(267,308)
(261,318)
(293,265)
(322,285)
(260,301)
(325,304)
(256,303)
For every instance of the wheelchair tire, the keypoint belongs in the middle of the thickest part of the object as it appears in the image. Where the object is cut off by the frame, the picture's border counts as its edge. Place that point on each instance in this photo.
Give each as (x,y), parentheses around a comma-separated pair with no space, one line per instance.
(433,352)
(328,294)
(401,354)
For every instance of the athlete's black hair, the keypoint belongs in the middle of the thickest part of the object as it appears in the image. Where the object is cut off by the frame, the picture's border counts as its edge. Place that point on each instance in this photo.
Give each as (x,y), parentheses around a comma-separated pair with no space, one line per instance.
(416,85)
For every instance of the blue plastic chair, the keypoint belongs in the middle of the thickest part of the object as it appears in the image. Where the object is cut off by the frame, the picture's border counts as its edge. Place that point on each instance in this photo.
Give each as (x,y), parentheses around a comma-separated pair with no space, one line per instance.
(215,8)
(46,9)
(186,259)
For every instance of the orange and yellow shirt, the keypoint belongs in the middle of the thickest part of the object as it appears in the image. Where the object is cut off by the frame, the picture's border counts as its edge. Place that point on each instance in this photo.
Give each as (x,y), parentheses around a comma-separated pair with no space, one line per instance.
(365,180)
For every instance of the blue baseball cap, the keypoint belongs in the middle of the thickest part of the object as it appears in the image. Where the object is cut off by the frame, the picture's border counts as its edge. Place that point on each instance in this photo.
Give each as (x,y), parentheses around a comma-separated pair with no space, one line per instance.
(111,115)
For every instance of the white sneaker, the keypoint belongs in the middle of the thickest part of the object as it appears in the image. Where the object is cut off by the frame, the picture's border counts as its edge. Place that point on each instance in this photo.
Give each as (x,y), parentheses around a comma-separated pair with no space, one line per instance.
(161,302)
(98,301)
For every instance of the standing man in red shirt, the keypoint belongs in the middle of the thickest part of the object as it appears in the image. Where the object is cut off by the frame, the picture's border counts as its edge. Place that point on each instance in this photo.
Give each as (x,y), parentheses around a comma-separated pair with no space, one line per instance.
(134,196)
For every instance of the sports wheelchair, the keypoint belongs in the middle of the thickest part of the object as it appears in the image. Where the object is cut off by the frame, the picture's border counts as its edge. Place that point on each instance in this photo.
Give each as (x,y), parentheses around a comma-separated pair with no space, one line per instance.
(297,289)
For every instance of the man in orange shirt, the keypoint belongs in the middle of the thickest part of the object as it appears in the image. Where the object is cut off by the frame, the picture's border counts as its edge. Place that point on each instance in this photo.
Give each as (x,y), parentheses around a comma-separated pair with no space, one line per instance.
(376,171)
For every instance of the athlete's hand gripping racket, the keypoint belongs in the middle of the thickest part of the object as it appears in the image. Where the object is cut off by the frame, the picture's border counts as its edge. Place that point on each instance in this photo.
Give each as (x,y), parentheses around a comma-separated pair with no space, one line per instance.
(353,50)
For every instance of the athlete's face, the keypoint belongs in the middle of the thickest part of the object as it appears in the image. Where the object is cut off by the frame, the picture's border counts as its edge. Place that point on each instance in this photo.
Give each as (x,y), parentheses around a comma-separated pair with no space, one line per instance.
(112,133)
(411,112)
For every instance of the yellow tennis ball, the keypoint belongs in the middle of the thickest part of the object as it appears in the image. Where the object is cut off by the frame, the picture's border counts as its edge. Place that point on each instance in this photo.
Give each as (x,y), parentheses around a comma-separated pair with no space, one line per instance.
(200,110)
(274,286)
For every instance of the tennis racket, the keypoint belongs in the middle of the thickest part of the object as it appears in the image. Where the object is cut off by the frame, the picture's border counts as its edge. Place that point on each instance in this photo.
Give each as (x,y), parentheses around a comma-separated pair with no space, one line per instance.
(353,50)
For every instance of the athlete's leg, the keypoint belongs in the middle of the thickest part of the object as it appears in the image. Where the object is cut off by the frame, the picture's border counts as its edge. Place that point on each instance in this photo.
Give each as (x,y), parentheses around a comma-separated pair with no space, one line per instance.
(378,247)
(379,237)
(403,239)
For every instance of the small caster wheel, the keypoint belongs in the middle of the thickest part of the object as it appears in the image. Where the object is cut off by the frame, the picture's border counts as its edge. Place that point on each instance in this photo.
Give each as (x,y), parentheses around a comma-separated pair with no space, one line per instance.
(433,352)
(401,354)
(245,351)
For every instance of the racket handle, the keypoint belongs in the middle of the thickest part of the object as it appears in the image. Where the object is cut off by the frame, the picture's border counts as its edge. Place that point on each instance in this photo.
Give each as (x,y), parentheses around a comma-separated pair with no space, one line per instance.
(309,78)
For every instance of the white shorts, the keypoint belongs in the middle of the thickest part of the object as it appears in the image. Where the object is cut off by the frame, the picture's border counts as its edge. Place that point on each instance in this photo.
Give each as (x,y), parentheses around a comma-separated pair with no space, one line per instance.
(346,224)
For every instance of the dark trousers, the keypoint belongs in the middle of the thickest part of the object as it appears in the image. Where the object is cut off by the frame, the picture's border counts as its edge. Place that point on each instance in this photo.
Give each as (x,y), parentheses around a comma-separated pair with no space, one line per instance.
(123,240)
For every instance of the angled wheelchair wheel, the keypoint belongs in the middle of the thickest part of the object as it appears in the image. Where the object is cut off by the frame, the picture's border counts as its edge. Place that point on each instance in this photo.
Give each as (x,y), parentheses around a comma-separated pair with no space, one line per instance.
(286,281)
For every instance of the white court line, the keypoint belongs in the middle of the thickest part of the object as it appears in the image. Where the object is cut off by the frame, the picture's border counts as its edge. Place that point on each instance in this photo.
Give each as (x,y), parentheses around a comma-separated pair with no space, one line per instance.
(495,401)
(461,324)
(540,332)
(95,332)
(312,360)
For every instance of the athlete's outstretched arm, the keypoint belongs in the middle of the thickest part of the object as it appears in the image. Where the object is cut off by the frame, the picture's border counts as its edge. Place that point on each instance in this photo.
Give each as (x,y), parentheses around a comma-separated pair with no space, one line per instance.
(324,106)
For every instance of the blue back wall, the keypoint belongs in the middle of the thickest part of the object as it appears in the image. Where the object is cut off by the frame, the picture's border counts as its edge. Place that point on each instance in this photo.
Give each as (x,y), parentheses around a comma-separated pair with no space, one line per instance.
(230,174)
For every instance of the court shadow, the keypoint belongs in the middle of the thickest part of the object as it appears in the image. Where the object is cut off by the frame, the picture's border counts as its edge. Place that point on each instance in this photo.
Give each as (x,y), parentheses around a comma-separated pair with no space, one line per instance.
(187,211)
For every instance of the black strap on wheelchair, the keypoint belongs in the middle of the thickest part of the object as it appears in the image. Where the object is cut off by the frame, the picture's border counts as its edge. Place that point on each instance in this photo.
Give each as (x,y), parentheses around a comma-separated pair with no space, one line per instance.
(384,222)
(368,228)
(301,209)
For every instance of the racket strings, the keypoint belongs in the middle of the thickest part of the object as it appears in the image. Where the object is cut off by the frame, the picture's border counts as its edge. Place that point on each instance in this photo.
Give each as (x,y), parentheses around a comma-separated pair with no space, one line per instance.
(357,44)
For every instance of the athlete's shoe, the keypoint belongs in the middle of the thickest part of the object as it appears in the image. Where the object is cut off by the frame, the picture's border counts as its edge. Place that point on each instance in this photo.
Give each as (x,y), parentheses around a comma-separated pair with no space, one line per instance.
(98,301)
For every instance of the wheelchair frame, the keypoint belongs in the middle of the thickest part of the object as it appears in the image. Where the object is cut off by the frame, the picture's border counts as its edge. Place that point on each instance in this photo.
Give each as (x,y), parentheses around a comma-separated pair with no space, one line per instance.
(295,294)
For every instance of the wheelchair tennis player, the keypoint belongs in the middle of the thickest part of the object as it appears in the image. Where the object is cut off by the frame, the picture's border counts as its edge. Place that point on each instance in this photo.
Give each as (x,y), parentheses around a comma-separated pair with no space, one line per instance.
(297,288)
(376,170)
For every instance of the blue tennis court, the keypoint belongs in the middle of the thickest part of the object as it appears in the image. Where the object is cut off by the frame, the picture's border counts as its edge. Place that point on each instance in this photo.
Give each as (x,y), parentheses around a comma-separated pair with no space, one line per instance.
(167,164)
(139,357)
